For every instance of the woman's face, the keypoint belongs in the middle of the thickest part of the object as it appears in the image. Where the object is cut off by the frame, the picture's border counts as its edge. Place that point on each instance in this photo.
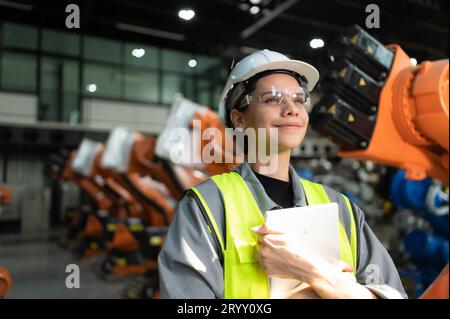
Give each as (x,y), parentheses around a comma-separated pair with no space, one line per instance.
(289,117)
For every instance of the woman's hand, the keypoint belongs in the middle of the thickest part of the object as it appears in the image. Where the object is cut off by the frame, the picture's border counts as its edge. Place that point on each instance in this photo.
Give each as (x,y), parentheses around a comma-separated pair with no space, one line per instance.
(303,291)
(282,256)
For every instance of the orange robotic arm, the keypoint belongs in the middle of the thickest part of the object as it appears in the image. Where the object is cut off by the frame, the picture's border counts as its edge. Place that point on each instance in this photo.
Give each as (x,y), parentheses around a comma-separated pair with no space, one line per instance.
(5,196)
(176,177)
(5,277)
(212,119)
(378,106)
(412,128)
(5,282)
(87,185)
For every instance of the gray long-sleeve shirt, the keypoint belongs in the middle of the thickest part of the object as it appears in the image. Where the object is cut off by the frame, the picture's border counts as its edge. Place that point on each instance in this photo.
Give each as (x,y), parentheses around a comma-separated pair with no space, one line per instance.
(189,264)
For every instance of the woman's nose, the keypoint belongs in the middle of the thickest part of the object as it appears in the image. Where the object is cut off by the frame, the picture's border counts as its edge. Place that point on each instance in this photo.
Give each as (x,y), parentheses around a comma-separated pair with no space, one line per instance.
(289,108)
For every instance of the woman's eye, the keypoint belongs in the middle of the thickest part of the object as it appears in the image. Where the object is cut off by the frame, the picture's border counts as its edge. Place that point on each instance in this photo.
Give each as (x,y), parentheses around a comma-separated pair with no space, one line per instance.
(271,100)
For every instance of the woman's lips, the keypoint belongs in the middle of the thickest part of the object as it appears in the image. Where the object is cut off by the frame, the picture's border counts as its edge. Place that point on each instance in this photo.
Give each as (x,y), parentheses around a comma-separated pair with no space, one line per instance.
(290,126)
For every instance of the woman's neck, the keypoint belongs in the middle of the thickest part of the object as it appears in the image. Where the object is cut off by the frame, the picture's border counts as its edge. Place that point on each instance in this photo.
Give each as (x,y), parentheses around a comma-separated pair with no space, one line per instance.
(280,170)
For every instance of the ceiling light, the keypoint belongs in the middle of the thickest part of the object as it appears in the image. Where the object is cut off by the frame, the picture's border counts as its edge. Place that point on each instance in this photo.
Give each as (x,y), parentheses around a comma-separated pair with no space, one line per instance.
(255,1)
(254,10)
(192,63)
(186,14)
(91,88)
(138,53)
(316,43)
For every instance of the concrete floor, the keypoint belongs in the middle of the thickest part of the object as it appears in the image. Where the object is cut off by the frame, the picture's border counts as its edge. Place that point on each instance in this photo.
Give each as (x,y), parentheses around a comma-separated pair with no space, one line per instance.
(38,271)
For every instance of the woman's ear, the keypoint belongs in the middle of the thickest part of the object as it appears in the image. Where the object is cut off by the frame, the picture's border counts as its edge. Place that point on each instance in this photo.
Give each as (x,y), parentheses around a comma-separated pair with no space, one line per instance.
(236,119)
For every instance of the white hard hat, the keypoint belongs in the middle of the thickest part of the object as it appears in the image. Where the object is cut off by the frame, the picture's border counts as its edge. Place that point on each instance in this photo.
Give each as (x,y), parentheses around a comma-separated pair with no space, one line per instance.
(261,61)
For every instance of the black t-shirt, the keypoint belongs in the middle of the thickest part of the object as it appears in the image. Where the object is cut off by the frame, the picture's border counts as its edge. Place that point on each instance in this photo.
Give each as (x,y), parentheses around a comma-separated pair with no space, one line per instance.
(279,191)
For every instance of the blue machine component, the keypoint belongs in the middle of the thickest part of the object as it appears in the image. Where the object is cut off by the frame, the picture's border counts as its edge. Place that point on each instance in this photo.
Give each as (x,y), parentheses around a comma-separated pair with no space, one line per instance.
(421,279)
(305,173)
(439,224)
(352,197)
(429,252)
(413,195)
(427,249)
(439,200)
(414,277)
(408,193)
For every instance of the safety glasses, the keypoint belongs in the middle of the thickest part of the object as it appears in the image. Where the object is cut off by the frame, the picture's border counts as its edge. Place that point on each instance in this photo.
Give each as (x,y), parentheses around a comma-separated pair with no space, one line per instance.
(276,96)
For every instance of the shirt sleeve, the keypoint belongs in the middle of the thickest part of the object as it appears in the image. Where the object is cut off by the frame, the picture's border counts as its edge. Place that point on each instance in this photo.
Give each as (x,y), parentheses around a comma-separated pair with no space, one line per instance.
(189,267)
(376,270)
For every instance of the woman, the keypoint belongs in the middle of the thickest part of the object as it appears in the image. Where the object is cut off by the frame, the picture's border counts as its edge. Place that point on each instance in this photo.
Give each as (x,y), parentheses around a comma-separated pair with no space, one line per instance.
(218,245)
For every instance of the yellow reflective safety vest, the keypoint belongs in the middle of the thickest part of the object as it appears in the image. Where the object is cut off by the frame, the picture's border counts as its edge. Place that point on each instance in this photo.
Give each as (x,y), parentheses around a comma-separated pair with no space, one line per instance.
(243,276)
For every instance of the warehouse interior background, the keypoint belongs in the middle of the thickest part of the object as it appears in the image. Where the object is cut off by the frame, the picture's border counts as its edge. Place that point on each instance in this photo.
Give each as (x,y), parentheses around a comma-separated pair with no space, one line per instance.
(125,68)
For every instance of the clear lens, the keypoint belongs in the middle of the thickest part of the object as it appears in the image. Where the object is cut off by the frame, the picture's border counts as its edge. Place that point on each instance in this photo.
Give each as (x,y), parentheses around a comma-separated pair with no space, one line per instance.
(277,96)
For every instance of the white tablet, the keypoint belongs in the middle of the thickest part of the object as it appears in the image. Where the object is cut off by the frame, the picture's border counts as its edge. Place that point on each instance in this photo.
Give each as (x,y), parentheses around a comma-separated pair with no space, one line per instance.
(316,227)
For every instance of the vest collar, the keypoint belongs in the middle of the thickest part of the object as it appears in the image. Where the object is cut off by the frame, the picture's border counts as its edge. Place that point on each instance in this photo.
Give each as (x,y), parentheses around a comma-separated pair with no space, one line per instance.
(263,200)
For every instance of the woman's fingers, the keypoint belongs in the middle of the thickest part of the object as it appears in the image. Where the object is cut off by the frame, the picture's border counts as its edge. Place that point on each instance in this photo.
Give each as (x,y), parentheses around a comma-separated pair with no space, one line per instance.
(264,230)
(275,240)
(342,266)
(303,291)
(283,255)
(345,268)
